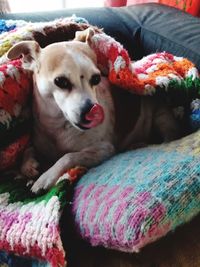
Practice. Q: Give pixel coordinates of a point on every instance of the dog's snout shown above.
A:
(91, 115)
(86, 109)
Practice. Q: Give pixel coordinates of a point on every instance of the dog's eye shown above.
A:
(95, 79)
(63, 83)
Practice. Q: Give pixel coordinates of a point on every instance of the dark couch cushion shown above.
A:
(168, 29)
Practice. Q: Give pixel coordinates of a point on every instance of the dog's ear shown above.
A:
(29, 50)
(85, 36)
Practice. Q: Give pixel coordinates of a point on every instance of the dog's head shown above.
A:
(67, 72)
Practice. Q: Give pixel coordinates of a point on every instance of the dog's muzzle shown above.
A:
(93, 117)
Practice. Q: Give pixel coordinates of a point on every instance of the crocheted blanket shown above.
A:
(29, 225)
(164, 74)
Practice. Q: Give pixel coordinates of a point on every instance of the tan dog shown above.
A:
(74, 112)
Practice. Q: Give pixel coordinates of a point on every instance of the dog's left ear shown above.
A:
(29, 50)
(85, 36)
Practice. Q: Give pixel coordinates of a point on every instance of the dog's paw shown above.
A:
(30, 168)
(44, 182)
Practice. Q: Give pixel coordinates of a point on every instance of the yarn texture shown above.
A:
(139, 196)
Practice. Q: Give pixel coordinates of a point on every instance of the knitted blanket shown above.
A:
(29, 225)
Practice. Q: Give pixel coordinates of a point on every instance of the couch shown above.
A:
(192, 7)
(143, 30)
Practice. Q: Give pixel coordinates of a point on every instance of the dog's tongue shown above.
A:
(95, 116)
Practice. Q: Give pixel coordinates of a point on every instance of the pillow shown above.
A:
(139, 196)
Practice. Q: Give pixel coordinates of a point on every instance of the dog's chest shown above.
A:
(55, 141)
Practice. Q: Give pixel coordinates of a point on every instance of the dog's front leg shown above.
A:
(87, 157)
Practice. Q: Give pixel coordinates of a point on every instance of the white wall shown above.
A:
(42, 5)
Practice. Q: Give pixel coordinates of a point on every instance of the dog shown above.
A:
(77, 120)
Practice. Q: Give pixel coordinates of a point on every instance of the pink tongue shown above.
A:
(95, 116)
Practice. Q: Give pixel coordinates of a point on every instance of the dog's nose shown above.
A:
(91, 115)
(86, 109)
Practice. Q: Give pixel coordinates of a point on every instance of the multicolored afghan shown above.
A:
(29, 225)
(146, 76)
(160, 73)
